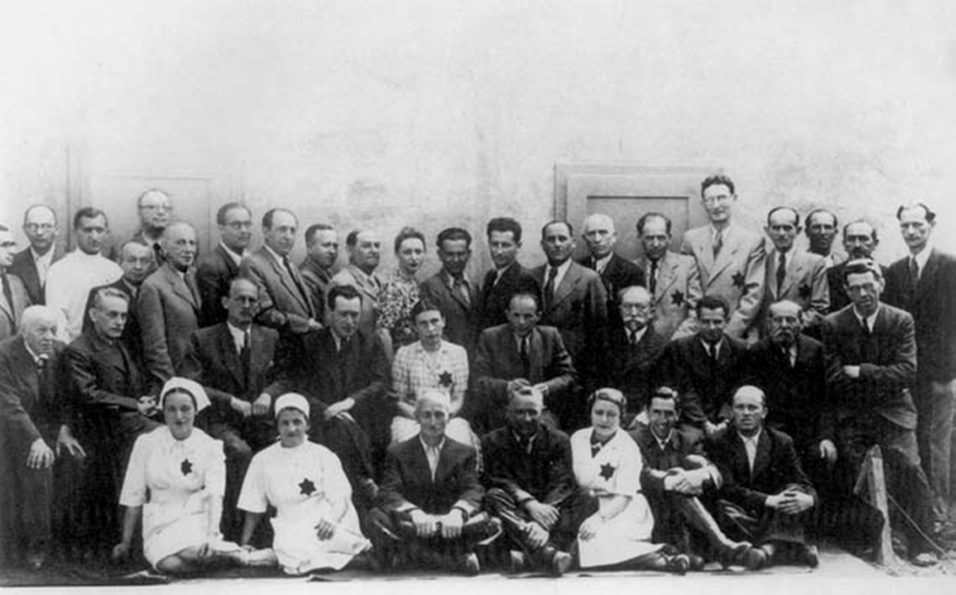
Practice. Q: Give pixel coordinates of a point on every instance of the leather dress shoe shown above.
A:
(755, 559)
(560, 563)
(468, 564)
(678, 564)
(811, 556)
(517, 561)
(925, 559)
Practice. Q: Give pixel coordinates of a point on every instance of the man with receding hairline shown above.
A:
(33, 262)
(217, 268)
(365, 250)
(616, 273)
(318, 266)
(672, 279)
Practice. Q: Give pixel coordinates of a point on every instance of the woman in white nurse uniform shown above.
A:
(607, 462)
(316, 526)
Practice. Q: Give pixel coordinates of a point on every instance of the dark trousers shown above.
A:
(393, 532)
(573, 509)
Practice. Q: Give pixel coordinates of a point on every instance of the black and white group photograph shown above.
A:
(546, 295)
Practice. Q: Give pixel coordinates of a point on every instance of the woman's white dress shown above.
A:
(615, 469)
(173, 481)
(305, 484)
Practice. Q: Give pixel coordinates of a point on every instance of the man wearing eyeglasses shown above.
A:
(216, 269)
(32, 263)
(155, 213)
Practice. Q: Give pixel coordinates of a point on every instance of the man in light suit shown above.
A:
(924, 284)
(731, 260)
(507, 276)
(871, 355)
(32, 263)
(573, 298)
(859, 241)
(216, 269)
(634, 349)
(318, 266)
(521, 351)
(35, 419)
(14, 299)
(452, 292)
(766, 497)
(672, 279)
(284, 300)
(365, 251)
(235, 362)
(168, 306)
(430, 503)
(799, 277)
(616, 273)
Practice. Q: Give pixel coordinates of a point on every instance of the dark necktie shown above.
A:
(191, 284)
(653, 279)
(781, 272)
(245, 354)
(297, 282)
(718, 243)
(914, 274)
(525, 358)
(462, 290)
(8, 295)
(43, 378)
(549, 288)
(631, 342)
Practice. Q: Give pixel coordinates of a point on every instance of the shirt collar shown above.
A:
(235, 256)
(922, 256)
(708, 346)
(274, 254)
(238, 335)
(450, 279)
(36, 358)
(438, 447)
(601, 263)
(663, 442)
(752, 439)
(562, 268)
(637, 336)
(48, 257)
(869, 320)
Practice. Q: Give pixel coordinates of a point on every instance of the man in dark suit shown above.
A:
(573, 298)
(155, 210)
(452, 292)
(616, 273)
(32, 263)
(217, 268)
(36, 431)
(234, 361)
(429, 506)
(531, 487)
(871, 364)
(675, 478)
(344, 374)
(705, 368)
(766, 496)
(284, 301)
(521, 351)
(859, 241)
(110, 395)
(507, 277)
(169, 305)
(790, 369)
(14, 298)
(318, 266)
(634, 349)
(924, 284)
(136, 260)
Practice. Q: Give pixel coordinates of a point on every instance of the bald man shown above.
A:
(169, 305)
(35, 422)
(616, 272)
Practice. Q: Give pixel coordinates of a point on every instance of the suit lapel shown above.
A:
(535, 354)
(289, 282)
(762, 459)
(227, 260)
(179, 287)
(420, 461)
(928, 275)
(24, 361)
(230, 357)
(731, 245)
(666, 276)
(568, 283)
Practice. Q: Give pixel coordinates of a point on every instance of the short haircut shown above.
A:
(520, 387)
(346, 292)
(240, 278)
(861, 266)
(712, 302)
(137, 242)
(750, 388)
(139, 199)
(108, 292)
(796, 215)
(89, 213)
(788, 303)
(611, 395)
(314, 229)
(666, 392)
(815, 212)
(267, 218)
(224, 210)
(34, 207)
(408, 233)
(544, 228)
(424, 305)
(531, 295)
(864, 221)
(352, 238)
(930, 215)
(643, 221)
(453, 234)
(717, 180)
(503, 225)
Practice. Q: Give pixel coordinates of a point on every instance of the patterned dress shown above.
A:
(304, 483)
(614, 469)
(395, 303)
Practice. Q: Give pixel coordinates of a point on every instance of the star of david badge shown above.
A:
(186, 467)
(804, 292)
(445, 380)
(739, 280)
(607, 471)
(677, 298)
(306, 487)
